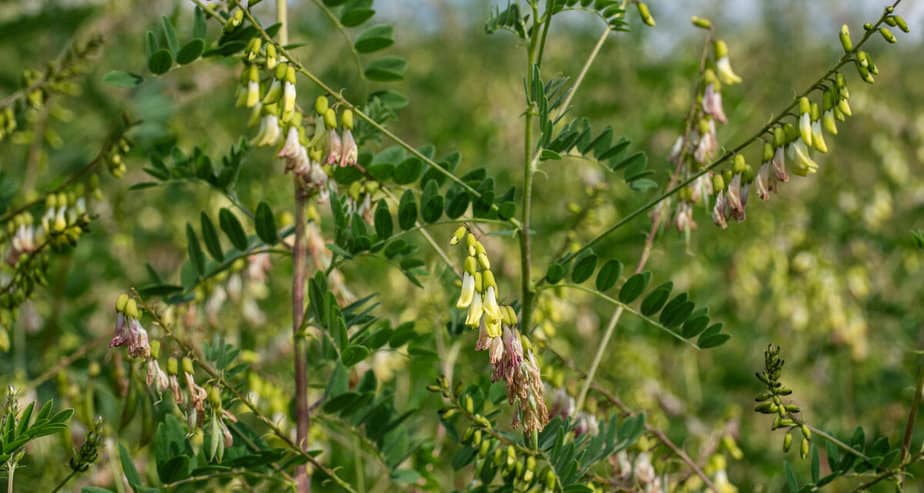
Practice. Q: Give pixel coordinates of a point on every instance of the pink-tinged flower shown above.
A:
(175, 389)
(258, 266)
(762, 181)
(708, 142)
(121, 331)
(349, 152)
(712, 103)
(683, 218)
(509, 365)
(334, 147)
(733, 198)
(585, 423)
(562, 404)
(495, 350)
(778, 165)
(702, 188)
(720, 210)
(138, 344)
(294, 153)
(197, 394)
(156, 377)
(484, 341)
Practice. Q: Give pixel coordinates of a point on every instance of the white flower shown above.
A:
(818, 138)
(294, 153)
(805, 128)
(804, 165)
(708, 143)
(253, 94)
(288, 98)
(490, 304)
(830, 122)
(733, 198)
(762, 181)
(726, 74)
(268, 134)
(468, 291)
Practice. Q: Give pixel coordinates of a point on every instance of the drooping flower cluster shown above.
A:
(128, 329)
(312, 155)
(700, 145)
(498, 334)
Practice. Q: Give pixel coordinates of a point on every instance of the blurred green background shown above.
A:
(825, 268)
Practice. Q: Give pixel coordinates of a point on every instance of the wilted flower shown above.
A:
(708, 142)
(156, 377)
(128, 330)
(720, 210)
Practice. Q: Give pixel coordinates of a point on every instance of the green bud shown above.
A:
(787, 441)
(806, 432)
(550, 479)
(188, 366)
(890, 20)
(458, 235)
(489, 280)
(846, 42)
(721, 49)
(511, 456)
(718, 183)
(155, 348)
(131, 309)
(121, 302)
(469, 404)
(484, 448)
(768, 155)
(172, 367)
(270, 56)
(701, 22)
(330, 118)
(645, 14)
(804, 448)
(215, 397)
(887, 34)
(900, 21)
(805, 106)
(469, 265)
(321, 105)
(779, 137)
(740, 165)
(346, 118)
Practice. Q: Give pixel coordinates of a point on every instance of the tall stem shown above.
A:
(299, 264)
(589, 380)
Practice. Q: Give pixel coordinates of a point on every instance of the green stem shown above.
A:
(61, 484)
(610, 328)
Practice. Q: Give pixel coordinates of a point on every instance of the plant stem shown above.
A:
(299, 263)
(913, 412)
(61, 484)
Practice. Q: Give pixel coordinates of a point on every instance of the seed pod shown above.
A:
(787, 441)
(806, 432)
(701, 22)
(485, 448)
(804, 448)
(469, 404)
(476, 438)
(766, 408)
(645, 14)
(468, 435)
(900, 21)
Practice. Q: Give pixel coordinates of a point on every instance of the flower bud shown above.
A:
(718, 183)
(740, 165)
(701, 22)
(330, 118)
(253, 48)
(346, 118)
(768, 155)
(188, 366)
(804, 448)
(121, 302)
(900, 21)
(458, 235)
(787, 441)
(846, 42)
(131, 309)
(321, 105)
(645, 14)
(887, 34)
(271, 56)
(172, 366)
(155, 348)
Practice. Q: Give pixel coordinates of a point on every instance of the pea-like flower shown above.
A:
(723, 65)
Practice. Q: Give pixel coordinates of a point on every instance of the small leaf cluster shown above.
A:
(17, 427)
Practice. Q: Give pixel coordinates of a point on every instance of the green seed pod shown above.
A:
(846, 42)
(476, 438)
(498, 456)
(484, 448)
(787, 441)
(900, 21)
(804, 448)
(550, 479)
(887, 34)
(806, 432)
(469, 404)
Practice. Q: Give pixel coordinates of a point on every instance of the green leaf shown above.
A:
(643, 184)
(816, 464)
(712, 341)
(266, 224)
(191, 51)
(456, 202)
(232, 228)
(160, 62)
(677, 311)
(634, 286)
(791, 481)
(408, 171)
(402, 334)
(608, 275)
(128, 468)
(386, 69)
(555, 273)
(632, 160)
(355, 13)
(584, 268)
(121, 78)
(194, 250)
(170, 35)
(199, 24)
(655, 299)
(431, 203)
(694, 326)
(375, 38)
(384, 226)
(353, 354)
(210, 237)
(407, 210)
